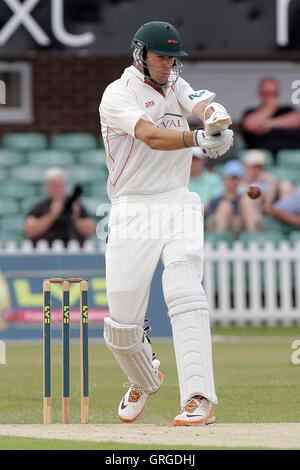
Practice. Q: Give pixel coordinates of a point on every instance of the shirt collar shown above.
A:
(133, 72)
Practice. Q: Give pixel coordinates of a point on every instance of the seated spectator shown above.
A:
(287, 209)
(232, 211)
(271, 126)
(207, 184)
(255, 174)
(52, 219)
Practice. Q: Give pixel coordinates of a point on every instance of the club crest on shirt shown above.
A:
(149, 103)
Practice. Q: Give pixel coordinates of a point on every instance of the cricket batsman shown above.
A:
(149, 152)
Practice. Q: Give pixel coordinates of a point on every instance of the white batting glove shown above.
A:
(218, 121)
(213, 145)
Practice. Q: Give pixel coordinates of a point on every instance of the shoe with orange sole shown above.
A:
(133, 403)
(197, 411)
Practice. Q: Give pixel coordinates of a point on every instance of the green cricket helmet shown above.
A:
(160, 38)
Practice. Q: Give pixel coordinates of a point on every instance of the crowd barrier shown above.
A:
(250, 285)
(253, 285)
(22, 271)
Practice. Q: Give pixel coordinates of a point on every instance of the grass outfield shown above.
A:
(17, 443)
(256, 382)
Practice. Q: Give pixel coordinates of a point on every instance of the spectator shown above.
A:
(287, 209)
(232, 211)
(271, 126)
(51, 219)
(255, 174)
(208, 185)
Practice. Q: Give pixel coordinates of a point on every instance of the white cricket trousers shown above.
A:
(143, 230)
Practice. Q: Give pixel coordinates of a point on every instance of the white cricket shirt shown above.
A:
(134, 168)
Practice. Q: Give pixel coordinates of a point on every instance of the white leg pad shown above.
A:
(189, 317)
(133, 352)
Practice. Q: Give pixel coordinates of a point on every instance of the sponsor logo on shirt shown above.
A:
(196, 95)
(149, 103)
(170, 120)
(171, 123)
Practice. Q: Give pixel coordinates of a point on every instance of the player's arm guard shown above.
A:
(205, 95)
(188, 98)
(213, 145)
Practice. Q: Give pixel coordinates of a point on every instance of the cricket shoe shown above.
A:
(197, 411)
(134, 401)
(218, 121)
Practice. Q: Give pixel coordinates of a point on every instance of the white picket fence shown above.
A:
(243, 285)
(253, 285)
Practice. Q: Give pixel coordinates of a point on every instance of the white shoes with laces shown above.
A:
(134, 401)
(133, 404)
(197, 411)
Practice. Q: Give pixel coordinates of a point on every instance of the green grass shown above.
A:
(257, 331)
(18, 443)
(255, 383)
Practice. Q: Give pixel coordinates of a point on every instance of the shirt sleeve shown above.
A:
(290, 204)
(39, 210)
(188, 97)
(120, 110)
